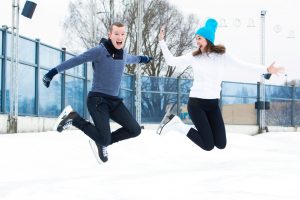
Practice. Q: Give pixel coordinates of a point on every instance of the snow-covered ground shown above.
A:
(53, 166)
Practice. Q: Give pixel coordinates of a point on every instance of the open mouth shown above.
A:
(119, 43)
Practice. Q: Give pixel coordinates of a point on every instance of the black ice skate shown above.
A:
(65, 119)
(99, 151)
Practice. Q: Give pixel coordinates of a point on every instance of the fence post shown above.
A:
(221, 98)
(37, 76)
(63, 80)
(178, 96)
(293, 105)
(85, 90)
(133, 92)
(134, 79)
(258, 110)
(4, 68)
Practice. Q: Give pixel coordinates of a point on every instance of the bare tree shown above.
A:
(179, 34)
(88, 21)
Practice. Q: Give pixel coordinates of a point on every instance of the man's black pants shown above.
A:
(103, 109)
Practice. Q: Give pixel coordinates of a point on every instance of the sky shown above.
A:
(241, 36)
(51, 165)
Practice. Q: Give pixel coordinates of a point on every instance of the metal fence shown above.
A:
(71, 87)
(237, 101)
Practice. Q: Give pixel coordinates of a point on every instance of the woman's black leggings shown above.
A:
(208, 120)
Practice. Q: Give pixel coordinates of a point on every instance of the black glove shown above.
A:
(145, 59)
(267, 76)
(48, 77)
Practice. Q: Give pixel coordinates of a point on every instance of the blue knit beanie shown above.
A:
(208, 31)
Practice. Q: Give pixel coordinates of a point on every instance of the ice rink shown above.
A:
(53, 166)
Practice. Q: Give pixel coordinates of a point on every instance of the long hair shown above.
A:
(211, 48)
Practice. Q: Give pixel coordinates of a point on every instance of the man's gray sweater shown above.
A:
(107, 71)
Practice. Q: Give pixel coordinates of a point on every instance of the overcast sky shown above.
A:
(241, 36)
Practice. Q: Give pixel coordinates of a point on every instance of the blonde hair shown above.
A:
(117, 24)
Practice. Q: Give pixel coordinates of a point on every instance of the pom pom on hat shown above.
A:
(209, 30)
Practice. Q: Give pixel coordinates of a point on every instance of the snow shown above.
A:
(51, 165)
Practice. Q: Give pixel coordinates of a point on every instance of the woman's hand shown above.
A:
(275, 70)
(161, 35)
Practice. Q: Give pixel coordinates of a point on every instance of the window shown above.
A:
(1, 53)
(26, 89)
(239, 89)
(74, 93)
(26, 50)
(127, 82)
(297, 92)
(128, 99)
(7, 89)
(50, 98)
(90, 71)
(49, 57)
(1, 84)
(75, 71)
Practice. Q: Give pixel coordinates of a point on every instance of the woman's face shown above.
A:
(201, 42)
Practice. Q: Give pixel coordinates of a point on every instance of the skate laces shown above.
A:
(104, 151)
(170, 119)
(67, 124)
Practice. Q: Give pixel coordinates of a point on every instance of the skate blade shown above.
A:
(161, 125)
(95, 151)
(159, 129)
(64, 113)
(167, 118)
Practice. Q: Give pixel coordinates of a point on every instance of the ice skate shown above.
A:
(65, 119)
(99, 151)
(172, 122)
(168, 116)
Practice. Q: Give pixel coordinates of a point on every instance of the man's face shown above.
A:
(117, 36)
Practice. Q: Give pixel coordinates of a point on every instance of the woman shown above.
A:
(209, 63)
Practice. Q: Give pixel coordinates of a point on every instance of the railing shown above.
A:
(237, 99)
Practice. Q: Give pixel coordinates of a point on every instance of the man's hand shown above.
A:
(145, 59)
(48, 77)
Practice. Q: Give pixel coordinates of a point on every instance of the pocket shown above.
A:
(94, 102)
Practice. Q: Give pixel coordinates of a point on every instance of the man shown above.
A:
(109, 60)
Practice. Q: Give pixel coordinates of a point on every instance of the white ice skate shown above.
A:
(173, 123)
(68, 109)
(168, 116)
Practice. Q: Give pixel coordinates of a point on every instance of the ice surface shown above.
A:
(51, 165)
